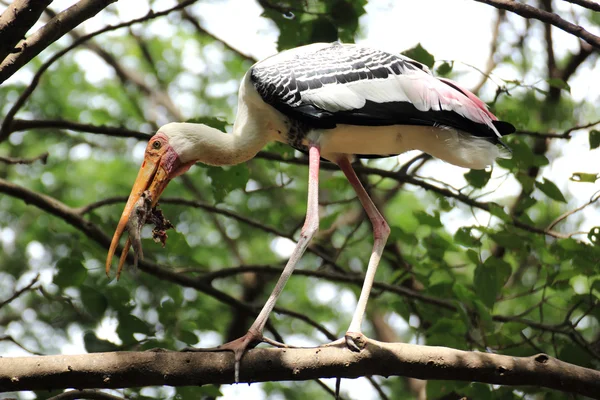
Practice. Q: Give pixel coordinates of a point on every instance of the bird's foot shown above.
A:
(238, 347)
(355, 341)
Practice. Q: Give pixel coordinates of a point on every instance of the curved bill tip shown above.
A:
(147, 188)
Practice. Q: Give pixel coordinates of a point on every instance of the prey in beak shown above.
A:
(161, 164)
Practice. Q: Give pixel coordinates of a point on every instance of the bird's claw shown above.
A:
(354, 341)
(238, 347)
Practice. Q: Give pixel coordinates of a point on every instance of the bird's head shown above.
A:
(163, 161)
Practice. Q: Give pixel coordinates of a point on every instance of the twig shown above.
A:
(595, 197)
(88, 394)
(24, 125)
(592, 5)
(21, 291)
(188, 17)
(491, 62)
(565, 135)
(49, 33)
(9, 338)
(11, 160)
(527, 11)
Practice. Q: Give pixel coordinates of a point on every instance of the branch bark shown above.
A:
(16, 20)
(49, 33)
(527, 11)
(134, 369)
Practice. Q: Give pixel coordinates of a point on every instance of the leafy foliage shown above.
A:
(501, 259)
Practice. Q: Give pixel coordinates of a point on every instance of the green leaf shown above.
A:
(484, 282)
(463, 293)
(397, 233)
(227, 179)
(464, 237)
(478, 177)
(427, 219)
(93, 301)
(418, 53)
(559, 84)
(574, 354)
(187, 337)
(445, 68)
(594, 139)
(93, 344)
(473, 256)
(498, 211)
(323, 31)
(508, 239)
(489, 279)
(128, 325)
(479, 391)
(551, 190)
(584, 177)
(71, 272)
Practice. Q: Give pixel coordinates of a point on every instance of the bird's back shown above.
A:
(325, 86)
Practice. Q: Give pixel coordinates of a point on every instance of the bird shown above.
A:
(335, 102)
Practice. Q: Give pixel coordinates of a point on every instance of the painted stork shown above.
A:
(333, 101)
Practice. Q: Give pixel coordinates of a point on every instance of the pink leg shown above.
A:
(311, 225)
(381, 231)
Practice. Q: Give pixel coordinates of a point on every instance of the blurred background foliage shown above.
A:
(467, 266)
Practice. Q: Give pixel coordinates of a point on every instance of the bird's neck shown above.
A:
(213, 147)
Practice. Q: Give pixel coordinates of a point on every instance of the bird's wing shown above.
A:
(328, 84)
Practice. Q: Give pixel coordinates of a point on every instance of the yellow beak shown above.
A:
(152, 178)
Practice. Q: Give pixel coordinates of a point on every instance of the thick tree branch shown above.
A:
(16, 20)
(527, 11)
(134, 369)
(51, 32)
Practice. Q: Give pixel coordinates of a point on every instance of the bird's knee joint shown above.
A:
(310, 230)
(382, 231)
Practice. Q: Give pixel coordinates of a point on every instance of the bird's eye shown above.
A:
(156, 145)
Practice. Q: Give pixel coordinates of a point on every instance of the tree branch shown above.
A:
(11, 160)
(49, 33)
(527, 11)
(21, 291)
(16, 20)
(24, 125)
(592, 5)
(85, 394)
(134, 369)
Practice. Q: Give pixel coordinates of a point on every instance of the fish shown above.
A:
(144, 214)
(137, 219)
